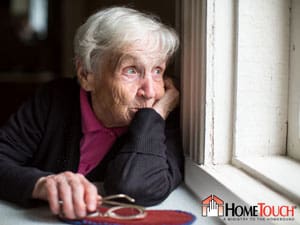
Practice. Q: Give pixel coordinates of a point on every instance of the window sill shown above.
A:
(277, 172)
(233, 185)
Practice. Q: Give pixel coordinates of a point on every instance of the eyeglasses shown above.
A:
(120, 210)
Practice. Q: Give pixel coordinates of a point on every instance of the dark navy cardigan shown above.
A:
(43, 138)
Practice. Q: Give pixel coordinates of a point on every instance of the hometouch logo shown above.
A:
(215, 206)
(212, 206)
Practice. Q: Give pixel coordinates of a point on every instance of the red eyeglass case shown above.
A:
(153, 217)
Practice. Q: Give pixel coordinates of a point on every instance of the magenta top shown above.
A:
(96, 140)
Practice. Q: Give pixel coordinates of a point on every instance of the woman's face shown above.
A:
(136, 82)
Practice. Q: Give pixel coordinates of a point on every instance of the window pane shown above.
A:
(262, 77)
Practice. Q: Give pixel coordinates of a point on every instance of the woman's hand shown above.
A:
(169, 101)
(68, 194)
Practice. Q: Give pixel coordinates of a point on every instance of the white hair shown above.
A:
(111, 30)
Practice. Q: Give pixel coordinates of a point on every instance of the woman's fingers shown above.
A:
(65, 195)
(78, 190)
(169, 101)
(69, 195)
(52, 195)
(91, 196)
(168, 83)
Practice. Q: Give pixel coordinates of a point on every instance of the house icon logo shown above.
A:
(212, 206)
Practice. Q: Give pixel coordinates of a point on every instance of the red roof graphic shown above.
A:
(212, 197)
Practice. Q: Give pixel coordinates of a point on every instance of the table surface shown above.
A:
(180, 199)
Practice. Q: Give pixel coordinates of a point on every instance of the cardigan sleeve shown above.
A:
(19, 139)
(148, 163)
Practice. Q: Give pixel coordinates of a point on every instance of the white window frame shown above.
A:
(294, 94)
(209, 56)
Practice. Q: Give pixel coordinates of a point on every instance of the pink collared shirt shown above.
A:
(96, 140)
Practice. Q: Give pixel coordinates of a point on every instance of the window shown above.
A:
(262, 93)
(31, 31)
(240, 104)
(293, 147)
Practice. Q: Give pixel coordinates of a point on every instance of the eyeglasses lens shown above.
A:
(126, 212)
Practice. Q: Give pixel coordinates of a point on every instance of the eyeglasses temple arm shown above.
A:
(104, 199)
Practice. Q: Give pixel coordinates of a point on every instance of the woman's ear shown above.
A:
(86, 79)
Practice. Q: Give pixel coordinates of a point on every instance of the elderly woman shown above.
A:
(111, 124)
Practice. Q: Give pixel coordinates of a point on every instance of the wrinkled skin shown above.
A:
(136, 83)
(116, 95)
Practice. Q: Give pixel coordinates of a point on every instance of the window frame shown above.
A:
(293, 142)
(207, 122)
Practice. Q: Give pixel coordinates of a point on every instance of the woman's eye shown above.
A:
(130, 71)
(158, 73)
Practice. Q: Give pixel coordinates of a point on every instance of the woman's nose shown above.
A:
(147, 89)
